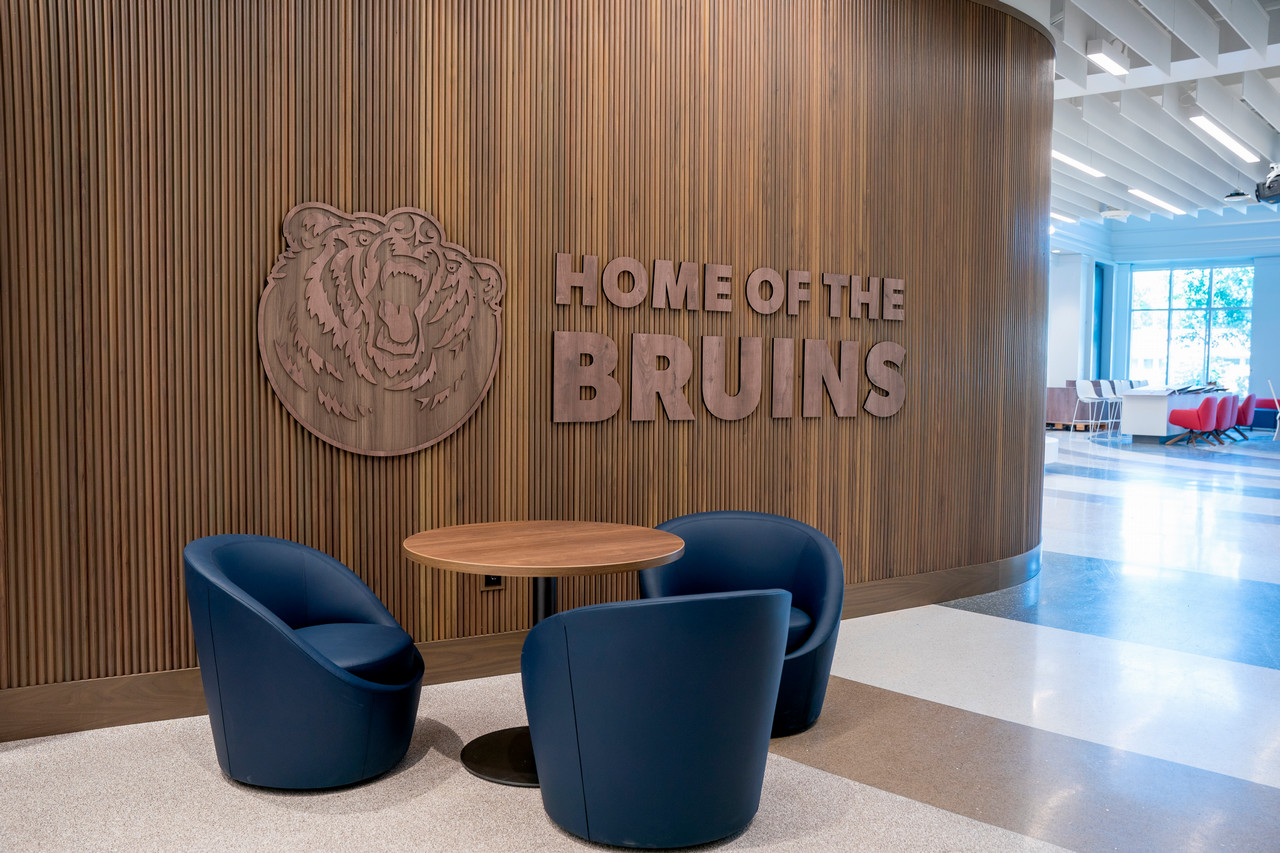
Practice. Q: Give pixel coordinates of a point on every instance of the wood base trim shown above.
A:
(97, 703)
(73, 706)
(864, 599)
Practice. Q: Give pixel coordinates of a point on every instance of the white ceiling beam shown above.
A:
(1066, 208)
(1145, 113)
(1186, 20)
(1123, 142)
(1104, 191)
(1172, 104)
(1127, 21)
(1235, 62)
(1247, 18)
(1062, 192)
(1262, 96)
(1069, 59)
(1070, 64)
(1237, 119)
(1118, 162)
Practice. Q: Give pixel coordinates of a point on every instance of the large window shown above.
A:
(1191, 326)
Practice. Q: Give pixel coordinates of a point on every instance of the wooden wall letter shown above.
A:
(639, 282)
(378, 335)
(837, 283)
(885, 379)
(716, 284)
(894, 295)
(777, 292)
(869, 297)
(672, 290)
(649, 380)
(784, 378)
(567, 278)
(841, 382)
(715, 378)
(796, 293)
(569, 376)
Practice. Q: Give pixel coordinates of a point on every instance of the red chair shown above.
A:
(1198, 422)
(1245, 417)
(1227, 408)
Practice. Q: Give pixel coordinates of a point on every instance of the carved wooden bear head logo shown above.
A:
(378, 335)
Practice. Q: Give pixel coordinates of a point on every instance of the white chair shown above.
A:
(1113, 402)
(1093, 404)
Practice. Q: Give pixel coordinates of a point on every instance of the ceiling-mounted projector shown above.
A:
(1269, 190)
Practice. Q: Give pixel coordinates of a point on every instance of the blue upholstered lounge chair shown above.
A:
(650, 719)
(310, 682)
(754, 550)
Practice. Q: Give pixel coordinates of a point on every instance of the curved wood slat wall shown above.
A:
(151, 150)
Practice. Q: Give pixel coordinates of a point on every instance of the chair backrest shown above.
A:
(1245, 416)
(1227, 412)
(1123, 385)
(733, 550)
(1207, 414)
(298, 584)
(1084, 390)
(661, 732)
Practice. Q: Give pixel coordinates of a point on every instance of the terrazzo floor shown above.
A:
(1126, 699)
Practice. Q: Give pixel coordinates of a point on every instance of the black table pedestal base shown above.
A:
(504, 756)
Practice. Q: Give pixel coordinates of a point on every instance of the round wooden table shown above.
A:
(542, 550)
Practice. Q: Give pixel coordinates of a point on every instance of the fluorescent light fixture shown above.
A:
(1208, 126)
(1108, 57)
(1157, 202)
(1060, 217)
(1076, 164)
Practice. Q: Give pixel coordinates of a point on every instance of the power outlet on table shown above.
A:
(488, 582)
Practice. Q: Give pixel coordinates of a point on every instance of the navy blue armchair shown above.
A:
(310, 682)
(755, 550)
(650, 719)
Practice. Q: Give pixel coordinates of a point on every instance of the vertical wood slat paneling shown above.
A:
(151, 150)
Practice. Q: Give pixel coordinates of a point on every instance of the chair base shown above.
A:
(504, 756)
(1191, 435)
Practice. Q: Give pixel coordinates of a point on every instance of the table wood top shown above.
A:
(543, 548)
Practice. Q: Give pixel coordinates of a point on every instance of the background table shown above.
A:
(1148, 413)
(542, 550)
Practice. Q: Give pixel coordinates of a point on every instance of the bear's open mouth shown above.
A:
(387, 345)
(399, 332)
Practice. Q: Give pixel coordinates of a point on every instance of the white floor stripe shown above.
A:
(1212, 714)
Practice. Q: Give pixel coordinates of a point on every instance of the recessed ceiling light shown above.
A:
(1228, 141)
(1076, 164)
(1108, 57)
(1060, 218)
(1157, 202)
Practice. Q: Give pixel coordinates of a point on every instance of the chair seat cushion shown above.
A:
(380, 653)
(798, 629)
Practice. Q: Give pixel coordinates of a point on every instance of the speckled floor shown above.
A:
(1124, 700)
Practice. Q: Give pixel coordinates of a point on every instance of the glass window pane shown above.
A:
(1150, 289)
(1190, 289)
(1233, 287)
(1229, 348)
(1148, 341)
(1187, 340)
